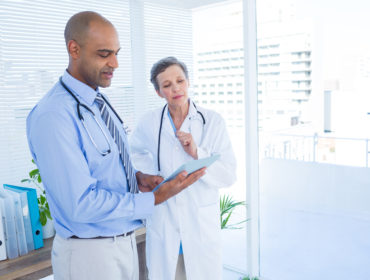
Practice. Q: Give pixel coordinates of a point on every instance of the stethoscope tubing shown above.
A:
(78, 105)
(160, 131)
(83, 105)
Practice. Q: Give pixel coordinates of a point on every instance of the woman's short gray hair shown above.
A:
(162, 65)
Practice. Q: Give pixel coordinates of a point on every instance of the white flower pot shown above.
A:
(48, 229)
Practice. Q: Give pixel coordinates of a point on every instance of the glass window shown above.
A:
(313, 139)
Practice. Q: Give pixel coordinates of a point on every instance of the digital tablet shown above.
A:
(190, 167)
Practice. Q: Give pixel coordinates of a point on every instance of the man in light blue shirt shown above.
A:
(83, 173)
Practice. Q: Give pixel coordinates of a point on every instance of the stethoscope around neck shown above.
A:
(79, 105)
(160, 131)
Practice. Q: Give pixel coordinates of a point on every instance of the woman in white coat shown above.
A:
(181, 131)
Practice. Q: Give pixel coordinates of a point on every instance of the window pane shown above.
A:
(219, 72)
(313, 84)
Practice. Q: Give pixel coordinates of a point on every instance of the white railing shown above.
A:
(316, 148)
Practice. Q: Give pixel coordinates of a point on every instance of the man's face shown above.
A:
(98, 58)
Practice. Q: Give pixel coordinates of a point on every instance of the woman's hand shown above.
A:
(147, 183)
(188, 144)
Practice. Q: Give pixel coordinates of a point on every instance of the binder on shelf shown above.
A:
(19, 225)
(2, 236)
(25, 215)
(8, 217)
(34, 215)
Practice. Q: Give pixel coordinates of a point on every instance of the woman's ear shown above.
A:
(159, 93)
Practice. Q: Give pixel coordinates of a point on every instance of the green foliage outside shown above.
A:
(44, 210)
(227, 206)
(248, 278)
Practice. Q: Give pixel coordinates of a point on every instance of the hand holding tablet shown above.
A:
(190, 167)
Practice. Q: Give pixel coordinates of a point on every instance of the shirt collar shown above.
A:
(193, 112)
(80, 89)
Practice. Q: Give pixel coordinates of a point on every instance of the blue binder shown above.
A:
(34, 214)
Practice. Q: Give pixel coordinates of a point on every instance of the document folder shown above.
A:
(8, 217)
(2, 236)
(34, 215)
(19, 224)
(26, 215)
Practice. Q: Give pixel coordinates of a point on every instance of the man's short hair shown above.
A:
(77, 26)
(162, 65)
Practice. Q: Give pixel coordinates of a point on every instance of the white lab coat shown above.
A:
(192, 216)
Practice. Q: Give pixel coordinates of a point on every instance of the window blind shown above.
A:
(160, 31)
(33, 56)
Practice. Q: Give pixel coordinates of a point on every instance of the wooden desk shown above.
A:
(37, 264)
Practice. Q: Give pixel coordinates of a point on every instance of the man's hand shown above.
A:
(147, 182)
(176, 185)
(188, 143)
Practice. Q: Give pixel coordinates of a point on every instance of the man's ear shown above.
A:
(74, 49)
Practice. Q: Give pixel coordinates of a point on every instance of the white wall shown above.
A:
(315, 221)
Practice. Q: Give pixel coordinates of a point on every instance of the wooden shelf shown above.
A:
(37, 264)
(34, 265)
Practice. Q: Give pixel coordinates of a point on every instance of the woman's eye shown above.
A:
(180, 81)
(166, 86)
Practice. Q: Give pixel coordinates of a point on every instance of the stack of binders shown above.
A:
(20, 230)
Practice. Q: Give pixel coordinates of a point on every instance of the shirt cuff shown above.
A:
(144, 205)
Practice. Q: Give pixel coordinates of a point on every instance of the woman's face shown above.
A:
(173, 86)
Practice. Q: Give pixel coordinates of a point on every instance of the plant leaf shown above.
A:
(42, 199)
(227, 206)
(34, 173)
(43, 218)
(47, 212)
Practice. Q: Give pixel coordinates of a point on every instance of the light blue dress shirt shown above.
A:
(87, 192)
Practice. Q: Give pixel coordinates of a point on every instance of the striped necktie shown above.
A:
(124, 155)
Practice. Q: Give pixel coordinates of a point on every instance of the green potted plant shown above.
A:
(249, 278)
(45, 217)
(227, 206)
